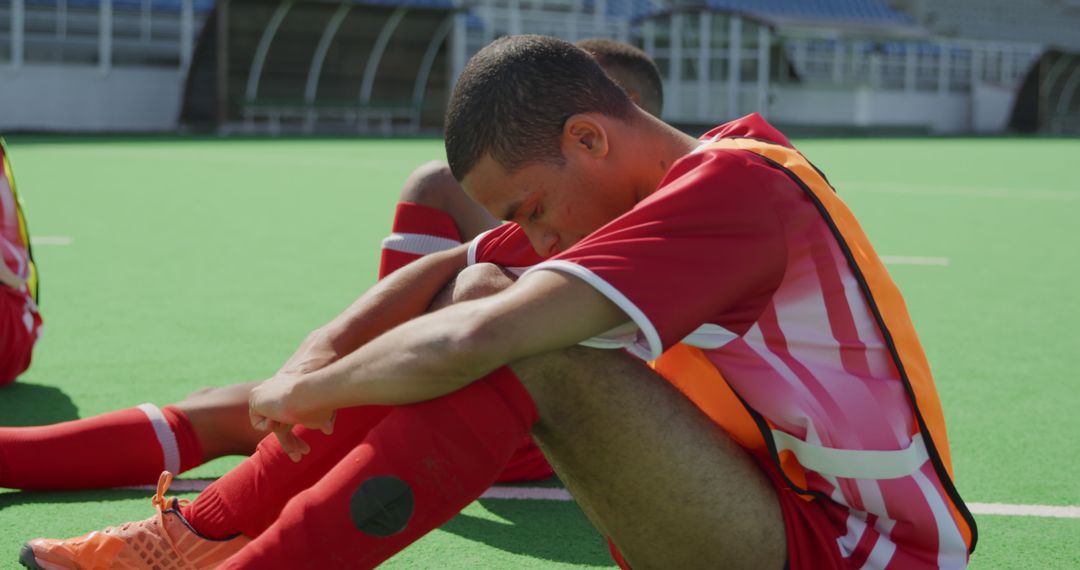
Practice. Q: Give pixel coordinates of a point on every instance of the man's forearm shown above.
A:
(419, 360)
(443, 351)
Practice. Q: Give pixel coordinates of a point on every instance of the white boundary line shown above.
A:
(1024, 510)
(961, 191)
(562, 495)
(914, 260)
(51, 240)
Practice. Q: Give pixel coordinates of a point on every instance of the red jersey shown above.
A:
(729, 255)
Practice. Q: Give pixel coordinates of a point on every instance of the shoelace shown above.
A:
(160, 503)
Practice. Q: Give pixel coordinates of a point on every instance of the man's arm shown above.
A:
(403, 295)
(442, 351)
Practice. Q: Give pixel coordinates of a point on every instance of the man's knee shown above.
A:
(473, 282)
(433, 185)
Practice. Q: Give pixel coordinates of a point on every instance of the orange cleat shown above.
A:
(163, 542)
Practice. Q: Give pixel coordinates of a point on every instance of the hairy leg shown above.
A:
(670, 487)
(219, 417)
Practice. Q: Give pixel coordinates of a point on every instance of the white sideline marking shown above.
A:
(529, 493)
(964, 191)
(558, 494)
(914, 260)
(51, 240)
(1024, 510)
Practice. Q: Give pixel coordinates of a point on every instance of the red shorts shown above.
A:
(19, 327)
(811, 533)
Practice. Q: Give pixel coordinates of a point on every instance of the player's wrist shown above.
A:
(310, 393)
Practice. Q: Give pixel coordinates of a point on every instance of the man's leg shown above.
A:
(652, 472)
(83, 454)
(647, 466)
(413, 472)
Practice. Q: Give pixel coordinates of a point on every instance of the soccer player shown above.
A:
(789, 415)
(434, 214)
(20, 322)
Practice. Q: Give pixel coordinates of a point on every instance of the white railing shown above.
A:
(107, 34)
(910, 65)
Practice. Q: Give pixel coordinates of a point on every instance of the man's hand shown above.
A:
(276, 406)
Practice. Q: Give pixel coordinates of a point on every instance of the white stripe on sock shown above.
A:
(169, 448)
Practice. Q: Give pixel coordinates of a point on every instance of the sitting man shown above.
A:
(788, 416)
(20, 323)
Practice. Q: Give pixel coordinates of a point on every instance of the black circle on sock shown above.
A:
(381, 506)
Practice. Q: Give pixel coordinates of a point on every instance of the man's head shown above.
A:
(631, 68)
(528, 133)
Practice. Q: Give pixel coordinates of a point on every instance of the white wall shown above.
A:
(70, 98)
(863, 107)
(991, 108)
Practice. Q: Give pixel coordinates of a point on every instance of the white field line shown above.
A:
(962, 191)
(51, 240)
(558, 494)
(914, 260)
(1024, 510)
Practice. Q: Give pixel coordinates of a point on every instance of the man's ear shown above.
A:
(584, 133)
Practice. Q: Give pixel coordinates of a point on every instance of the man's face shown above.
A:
(556, 205)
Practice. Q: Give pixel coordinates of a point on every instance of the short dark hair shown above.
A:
(514, 97)
(631, 68)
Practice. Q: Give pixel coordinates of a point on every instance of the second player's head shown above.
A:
(631, 68)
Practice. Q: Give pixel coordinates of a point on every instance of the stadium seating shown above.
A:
(1052, 22)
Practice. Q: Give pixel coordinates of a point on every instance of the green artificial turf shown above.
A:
(200, 262)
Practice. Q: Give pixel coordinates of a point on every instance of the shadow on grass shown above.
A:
(24, 404)
(16, 498)
(549, 530)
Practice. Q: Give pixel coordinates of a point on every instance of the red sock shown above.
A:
(413, 472)
(417, 231)
(127, 447)
(249, 497)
